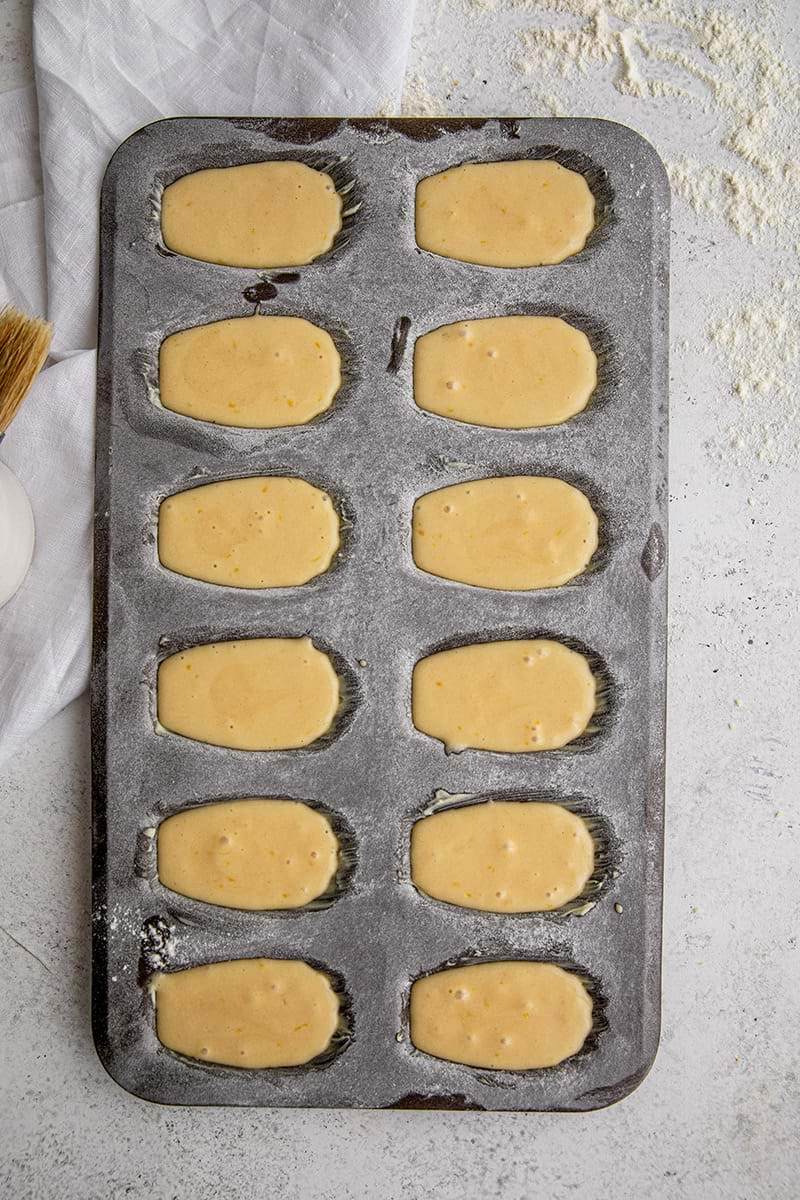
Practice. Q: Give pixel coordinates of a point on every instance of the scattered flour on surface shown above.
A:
(708, 85)
(710, 59)
(386, 107)
(417, 99)
(758, 343)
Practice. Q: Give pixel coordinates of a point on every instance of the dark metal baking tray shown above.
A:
(375, 451)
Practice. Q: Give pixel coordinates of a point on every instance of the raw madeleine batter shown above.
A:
(512, 697)
(250, 372)
(507, 1015)
(505, 372)
(262, 531)
(268, 214)
(518, 532)
(503, 856)
(254, 854)
(249, 1012)
(525, 213)
(255, 694)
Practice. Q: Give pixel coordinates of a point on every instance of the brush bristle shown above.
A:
(24, 343)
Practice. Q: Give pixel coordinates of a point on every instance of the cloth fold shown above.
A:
(103, 69)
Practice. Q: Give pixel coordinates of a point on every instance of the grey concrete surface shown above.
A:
(717, 1116)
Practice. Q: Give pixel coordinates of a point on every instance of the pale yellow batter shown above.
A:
(503, 856)
(518, 532)
(254, 854)
(249, 1012)
(268, 214)
(511, 696)
(250, 372)
(256, 694)
(258, 532)
(508, 1015)
(505, 214)
(505, 372)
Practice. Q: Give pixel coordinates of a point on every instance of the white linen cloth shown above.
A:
(104, 68)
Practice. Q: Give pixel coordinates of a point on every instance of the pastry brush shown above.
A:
(24, 343)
